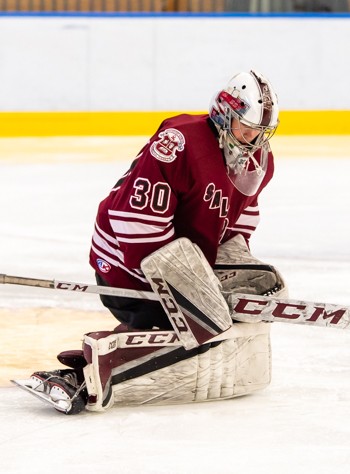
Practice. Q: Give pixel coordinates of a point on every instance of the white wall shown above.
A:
(72, 63)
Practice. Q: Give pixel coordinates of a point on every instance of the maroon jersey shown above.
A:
(178, 186)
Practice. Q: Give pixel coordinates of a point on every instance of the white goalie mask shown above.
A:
(250, 99)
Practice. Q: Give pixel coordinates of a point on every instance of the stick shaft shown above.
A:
(77, 287)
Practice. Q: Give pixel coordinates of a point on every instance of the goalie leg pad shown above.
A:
(163, 375)
(107, 364)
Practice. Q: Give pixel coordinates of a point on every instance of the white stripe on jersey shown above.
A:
(102, 243)
(126, 227)
(141, 217)
(132, 228)
(247, 219)
(108, 237)
(134, 272)
(141, 240)
(251, 209)
(242, 230)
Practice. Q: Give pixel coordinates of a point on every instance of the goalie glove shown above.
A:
(240, 272)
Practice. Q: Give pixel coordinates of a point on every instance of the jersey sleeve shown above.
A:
(248, 220)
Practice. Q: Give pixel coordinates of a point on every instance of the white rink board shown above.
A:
(93, 64)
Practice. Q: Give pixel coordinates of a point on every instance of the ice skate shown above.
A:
(62, 389)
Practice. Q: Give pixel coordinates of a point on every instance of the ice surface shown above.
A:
(300, 424)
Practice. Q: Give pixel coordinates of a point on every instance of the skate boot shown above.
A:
(64, 389)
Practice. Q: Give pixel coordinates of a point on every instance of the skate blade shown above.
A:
(63, 406)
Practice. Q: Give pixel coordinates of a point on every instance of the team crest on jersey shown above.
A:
(171, 141)
(103, 265)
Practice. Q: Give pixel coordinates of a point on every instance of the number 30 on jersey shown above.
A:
(156, 196)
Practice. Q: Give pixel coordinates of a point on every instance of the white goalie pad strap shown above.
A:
(232, 368)
(240, 272)
(97, 381)
(189, 291)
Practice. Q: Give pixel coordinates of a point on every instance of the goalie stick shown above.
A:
(244, 308)
(104, 290)
(77, 287)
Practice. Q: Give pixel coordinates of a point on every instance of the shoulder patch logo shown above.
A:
(103, 265)
(165, 149)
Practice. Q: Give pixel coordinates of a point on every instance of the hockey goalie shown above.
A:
(206, 356)
(179, 222)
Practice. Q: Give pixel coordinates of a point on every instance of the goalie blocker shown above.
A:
(210, 359)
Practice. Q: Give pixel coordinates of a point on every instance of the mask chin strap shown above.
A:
(222, 138)
(256, 164)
